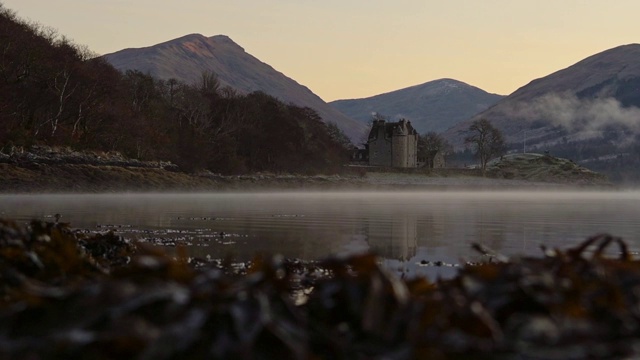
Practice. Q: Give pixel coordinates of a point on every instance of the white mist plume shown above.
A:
(579, 115)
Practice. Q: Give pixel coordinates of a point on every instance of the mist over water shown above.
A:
(583, 118)
(403, 227)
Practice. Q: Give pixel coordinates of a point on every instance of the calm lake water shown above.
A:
(403, 227)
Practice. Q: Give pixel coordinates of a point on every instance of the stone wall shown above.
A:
(379, 147)
(399, 146)
(412, 150)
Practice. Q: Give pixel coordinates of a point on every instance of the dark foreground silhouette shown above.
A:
(73, 296)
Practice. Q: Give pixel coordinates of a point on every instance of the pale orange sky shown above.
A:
(358, 48)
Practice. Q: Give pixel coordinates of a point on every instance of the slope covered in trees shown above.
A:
(187, 57)
(57, 93)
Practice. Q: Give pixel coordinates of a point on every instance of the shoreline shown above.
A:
(62, 170)
(72, 178)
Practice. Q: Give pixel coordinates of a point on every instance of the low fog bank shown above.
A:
(154, 182)
(589, 116)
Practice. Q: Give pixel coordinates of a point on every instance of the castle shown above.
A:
(393, 144)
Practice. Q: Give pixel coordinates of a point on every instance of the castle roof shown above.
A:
(391, 129)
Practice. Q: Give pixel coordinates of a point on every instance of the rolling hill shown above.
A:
(433, 106)
(594, 98)
(187, 57)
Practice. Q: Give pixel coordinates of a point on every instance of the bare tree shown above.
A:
(209, 83)
(487, 140)
(430, 144)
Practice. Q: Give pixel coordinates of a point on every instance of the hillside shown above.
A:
(433, 106)
(599, 93)
(587, 112)
(186, 58)
(59, 94)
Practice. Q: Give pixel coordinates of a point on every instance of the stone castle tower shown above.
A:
(393, 144)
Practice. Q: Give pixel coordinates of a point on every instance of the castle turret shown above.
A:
(399, 145)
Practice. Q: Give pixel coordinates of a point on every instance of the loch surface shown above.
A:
(405, 228)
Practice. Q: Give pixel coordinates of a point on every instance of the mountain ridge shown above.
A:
(186, 58)
(431, 106)
(598, 65)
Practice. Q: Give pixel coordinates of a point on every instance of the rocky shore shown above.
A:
(45, 169)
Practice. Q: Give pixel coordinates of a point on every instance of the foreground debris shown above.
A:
(72, 296)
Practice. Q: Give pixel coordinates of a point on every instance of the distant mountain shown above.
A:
(186, 58)
(432, 106)
(594, 98)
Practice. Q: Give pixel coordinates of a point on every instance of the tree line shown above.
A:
(484, 142)
(55, 92)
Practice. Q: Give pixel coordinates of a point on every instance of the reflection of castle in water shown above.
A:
(393, 238)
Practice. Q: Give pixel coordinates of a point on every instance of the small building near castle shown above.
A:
(393, 144)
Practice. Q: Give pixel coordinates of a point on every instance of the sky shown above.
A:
(348, 49)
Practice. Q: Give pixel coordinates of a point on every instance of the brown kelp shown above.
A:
(73, 296)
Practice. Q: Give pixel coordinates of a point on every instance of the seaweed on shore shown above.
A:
(65, 295)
